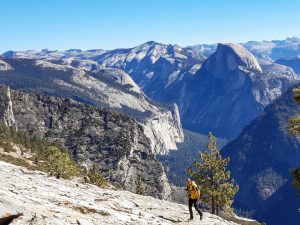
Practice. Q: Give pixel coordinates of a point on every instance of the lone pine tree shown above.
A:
(217, 188)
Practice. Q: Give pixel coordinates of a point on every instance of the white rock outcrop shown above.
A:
(6, 110)
(46, 200)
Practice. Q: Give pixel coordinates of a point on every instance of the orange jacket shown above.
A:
(193, 190)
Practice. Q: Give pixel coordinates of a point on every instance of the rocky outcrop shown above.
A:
(165, 129)
(228, 58)
(241, 220)
(114, 141)
(44, 200)
(261, 158)
(4, 66)
(6, 112)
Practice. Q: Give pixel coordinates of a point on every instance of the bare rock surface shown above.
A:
(46, 200)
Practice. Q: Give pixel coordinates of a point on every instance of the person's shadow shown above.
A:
(172, 220)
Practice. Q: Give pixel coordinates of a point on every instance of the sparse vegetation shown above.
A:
(58, 163)
(294, 128)
(43, 155)
(140, 190)
(93, 176)
(296, 175)
(17, 161)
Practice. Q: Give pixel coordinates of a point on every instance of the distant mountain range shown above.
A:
(270, 50)
(209, 99)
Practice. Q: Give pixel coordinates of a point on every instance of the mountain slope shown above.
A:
(153, 66)
(228, 92)
(222, 94)
(115, 142)
(260, 161)
(294, 63)
(104, 88)
(44, 200)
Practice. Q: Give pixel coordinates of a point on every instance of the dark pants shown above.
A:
(191, 202)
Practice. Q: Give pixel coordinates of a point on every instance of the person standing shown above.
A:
(194, 196)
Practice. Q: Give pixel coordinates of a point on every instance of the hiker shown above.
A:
(194, 195)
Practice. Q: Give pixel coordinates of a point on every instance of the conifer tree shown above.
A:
(140, 190)
(294, 128)
(217, 188)
(296, 175)
(59, 163)
(94, 177)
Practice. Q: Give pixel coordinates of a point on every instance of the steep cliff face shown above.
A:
(104, 88)
(230, 57)
(261, 158)
(6, 112)
(114, 141)
(165, 129)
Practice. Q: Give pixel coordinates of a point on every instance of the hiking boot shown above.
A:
(190, 219)
(201, 217)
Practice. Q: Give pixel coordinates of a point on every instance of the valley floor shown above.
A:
(46, 200)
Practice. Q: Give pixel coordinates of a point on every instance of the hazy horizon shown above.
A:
(144, 43)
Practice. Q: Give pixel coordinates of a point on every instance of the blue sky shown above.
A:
(109, 24)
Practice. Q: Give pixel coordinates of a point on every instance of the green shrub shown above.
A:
(58, 163)
(93, 176)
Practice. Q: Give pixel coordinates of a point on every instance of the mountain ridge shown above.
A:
(261, 157)
(104, 88)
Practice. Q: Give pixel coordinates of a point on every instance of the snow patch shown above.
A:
(4, 66)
